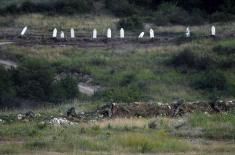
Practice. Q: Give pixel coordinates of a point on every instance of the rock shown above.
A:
(61, 122)
(26, 116)
(107, 110)
(71, 112)
(178, 107)
(218, 106)
(2, 121)
(30, 115)
(152, 124)
(20, 116)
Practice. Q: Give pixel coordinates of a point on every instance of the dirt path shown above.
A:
(35, 37)
(8, 64)
(5, 43)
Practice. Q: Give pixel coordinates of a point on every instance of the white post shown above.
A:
(24, 31)
(188, 33)
(141, 35)
(72, 33)
(122, 33)
(109, 33)
(151, 33)
(54, 35)
(62, 35)
(213, 31)
(94, 34)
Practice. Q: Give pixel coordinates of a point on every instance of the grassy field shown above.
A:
(120, 136)
(131, 73)
(127, 72)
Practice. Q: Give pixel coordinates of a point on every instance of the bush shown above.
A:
(131, 23)
(212, 80)
(122, 94)
(122, 8)
(169, 13)
(34, 80)
(221, 17)
(227, 63)
(227, 50)
(189, 59)
(7, 91)
(59, 6)
(64, 89)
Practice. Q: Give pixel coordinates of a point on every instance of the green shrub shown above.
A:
(169, 13)
(122, 8)
(64, 89)
(59, 6)
(212, 80)
(34, 79)
(7, 90)
(215, 126)
(122, 94)
(220, 49)
(131, 23)
(192, 60)
(221, 17)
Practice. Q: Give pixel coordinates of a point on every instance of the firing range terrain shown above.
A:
(166, 95)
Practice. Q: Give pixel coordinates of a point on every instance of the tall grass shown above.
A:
(217, 126)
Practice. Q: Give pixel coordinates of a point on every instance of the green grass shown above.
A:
(132, 75)
(124, 136)
(93, 138)
(155, 142)
(217, 126)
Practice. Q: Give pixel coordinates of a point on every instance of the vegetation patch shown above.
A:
(192, 60)
(216, 126)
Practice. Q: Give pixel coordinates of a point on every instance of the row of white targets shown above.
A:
(188, 32)
(94, 35)
(109, 33)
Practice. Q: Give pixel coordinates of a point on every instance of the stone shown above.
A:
(20, 116)
(178, 108)
(30, 115)
(107, 110)
(141, 35)
(23, 31)
(213, 31)
(122, 33)
(54, 35)
(61, 122)
(2, 121)
(94, 34)
(62, 35)
(151, 32)
(109, 33)
(72, 33)
(71, 112)
(188, 33)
